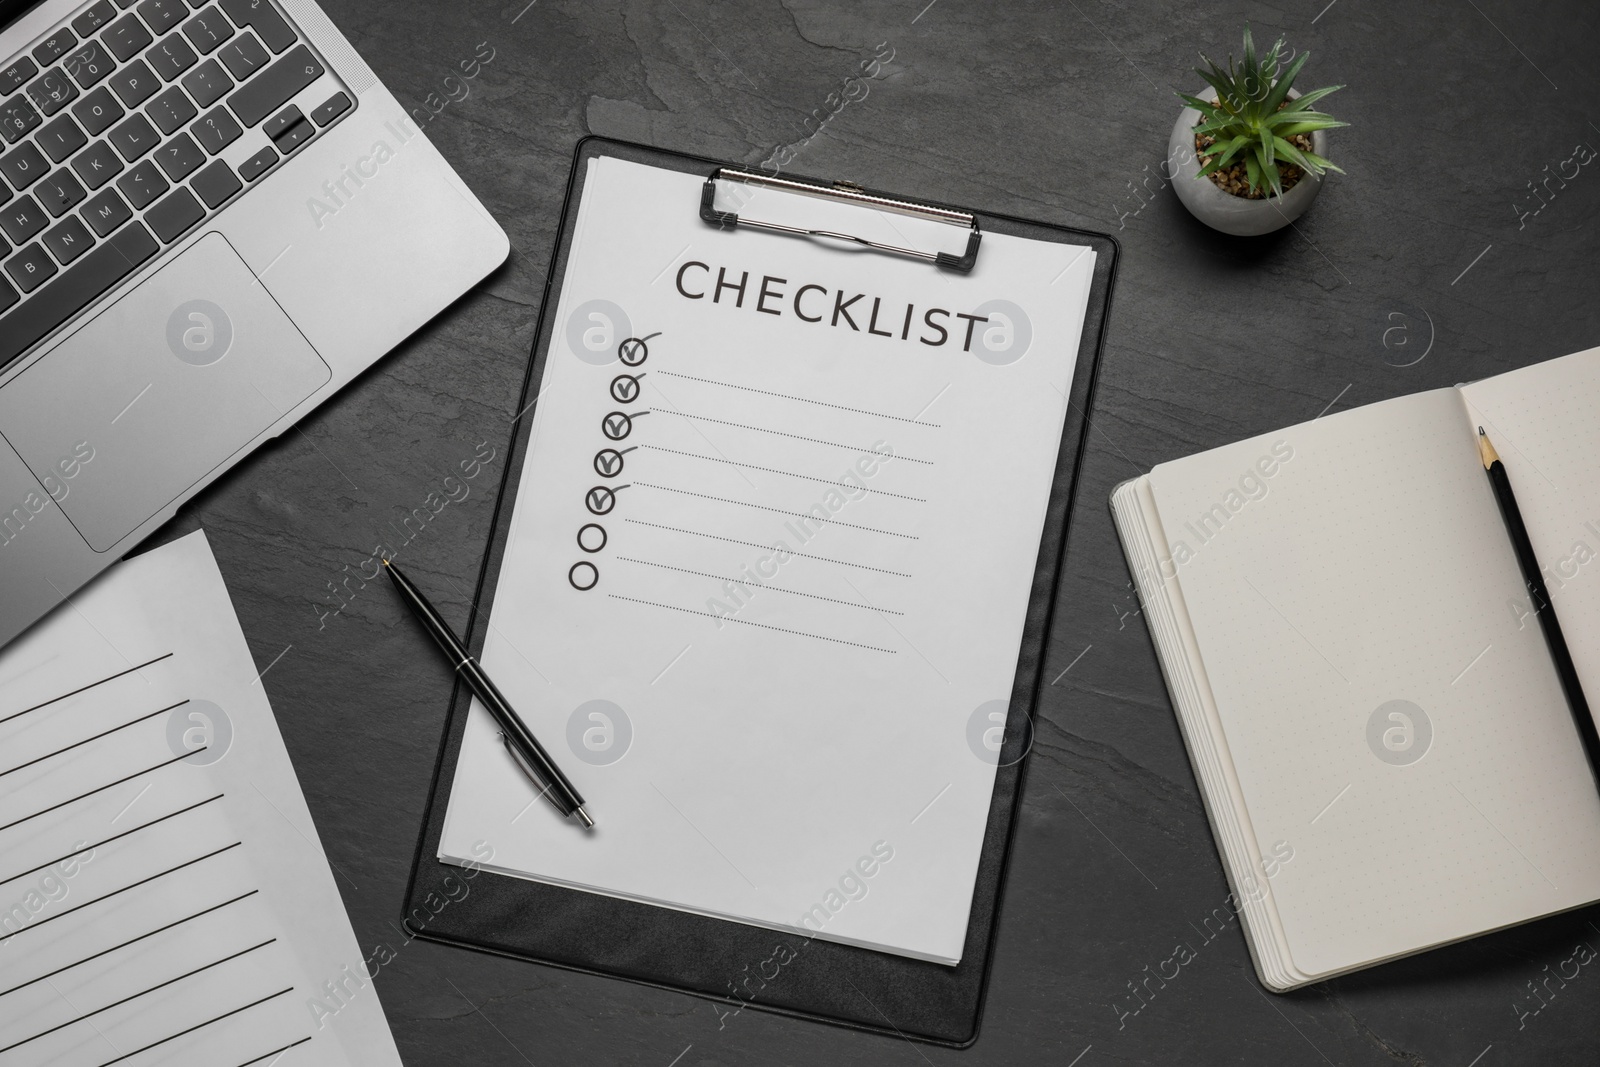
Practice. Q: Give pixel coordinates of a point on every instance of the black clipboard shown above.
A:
(747, 967)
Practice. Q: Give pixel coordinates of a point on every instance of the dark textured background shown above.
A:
(1058, 111)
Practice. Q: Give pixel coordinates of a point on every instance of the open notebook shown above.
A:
(1371, 709)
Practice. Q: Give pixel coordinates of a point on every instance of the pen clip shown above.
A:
(527, 768)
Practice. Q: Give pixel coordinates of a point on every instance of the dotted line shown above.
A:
(802, 399)
(758, 585)
(774, 470)
(795, 436)
(779, 511)
(752, 544)
(747, 622)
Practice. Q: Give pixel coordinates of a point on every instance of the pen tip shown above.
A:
(583, 817)
(386, 562)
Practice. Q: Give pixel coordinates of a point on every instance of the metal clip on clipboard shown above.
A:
(850, 193)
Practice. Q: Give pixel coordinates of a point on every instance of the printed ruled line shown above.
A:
(81, 689)
(96, 737)
(758, 585)
(795, 436)
(747, 622)
(776, 511)
(136, 996)
(103, 788)
(280, 1051)
(787, 474)
(107, 841)
(118, 892)
(208, 1022)
(752, 544)
(130, 941)
(802, 399)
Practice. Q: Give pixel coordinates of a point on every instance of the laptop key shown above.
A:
(171, 110)
(171, 57)
(106, 212)
(17, 117)
(67, 240)
(243, 56)
(54, 46)
(175, 215)
(8, 296)
(142, 184)
(89, 65)
(216, 130)
(277, 124)
(275, 86)
(258, 164)
(295, 136)
(216, 183)
(161, 15)
(53, 90)
(97, 165)
(135, 83)
(60, 138)
(60, 192)
(179, 157)
(262, 17)
(23, 167)
(134, 137)
(16, 76)
(330, 109)
(22, 219)
(207, 83)
(126, 37)
(77, 287)
(98, 111)
(207, 31)
(95, 16)
(31, 268)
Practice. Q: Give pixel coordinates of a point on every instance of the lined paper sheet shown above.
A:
(163, 896)
(768, 571)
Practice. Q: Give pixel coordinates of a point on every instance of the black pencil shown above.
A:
(515, 735)
(1542, 607)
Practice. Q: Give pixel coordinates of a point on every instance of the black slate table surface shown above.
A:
(1429, 263)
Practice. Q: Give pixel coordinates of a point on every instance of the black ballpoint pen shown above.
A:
(518, 739)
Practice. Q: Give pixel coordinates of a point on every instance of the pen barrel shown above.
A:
(560, 791)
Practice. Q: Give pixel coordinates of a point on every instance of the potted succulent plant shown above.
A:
(1246, 156)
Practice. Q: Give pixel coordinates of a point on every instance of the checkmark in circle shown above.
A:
(616, 425)
(601, 499)
(633, 351)
(608, 462)
(625, 388)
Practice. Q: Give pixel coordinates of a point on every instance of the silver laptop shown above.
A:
(212, 217)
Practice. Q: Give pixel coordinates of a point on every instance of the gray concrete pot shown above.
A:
(1224, 211)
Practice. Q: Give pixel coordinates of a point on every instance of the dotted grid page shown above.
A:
(766, 580)
(1541, 420)
(1390, 725)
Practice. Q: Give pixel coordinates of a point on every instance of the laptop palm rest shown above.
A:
(148, 397)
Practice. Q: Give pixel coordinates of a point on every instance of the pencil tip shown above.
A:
(1480, 434)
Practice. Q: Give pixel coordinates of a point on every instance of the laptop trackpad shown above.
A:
(158, 389)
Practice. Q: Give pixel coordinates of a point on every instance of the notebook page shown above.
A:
(807, 605)
(1346, 579)
(163, 897)
(1542, 422)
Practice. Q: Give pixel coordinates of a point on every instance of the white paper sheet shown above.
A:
(793, 711)
(163, 895)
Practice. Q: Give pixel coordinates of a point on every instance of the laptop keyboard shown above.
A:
(128, 126)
